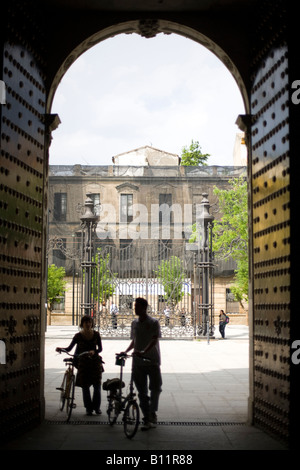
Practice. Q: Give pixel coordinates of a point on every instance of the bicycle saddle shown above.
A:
(68, 360)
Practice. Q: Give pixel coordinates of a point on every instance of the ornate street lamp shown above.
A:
(205, 269)
(88, 224)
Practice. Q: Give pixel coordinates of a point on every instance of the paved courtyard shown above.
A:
(201, 381)
(203, 406)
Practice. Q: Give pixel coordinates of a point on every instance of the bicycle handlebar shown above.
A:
(72, 355)
(60, 350)
(125, 356)
(76, 355)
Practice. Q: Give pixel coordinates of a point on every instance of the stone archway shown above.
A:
(149, 29)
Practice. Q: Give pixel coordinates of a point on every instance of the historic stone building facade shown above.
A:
(146, 213)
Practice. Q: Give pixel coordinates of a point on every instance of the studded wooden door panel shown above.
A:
(21, 223)
(271, 241)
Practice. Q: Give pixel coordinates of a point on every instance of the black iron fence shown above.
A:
(160, 271)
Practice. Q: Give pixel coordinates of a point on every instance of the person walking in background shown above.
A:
(114, 312)
(223, 320)
(145, 334)
(167, 312)
(89, 366)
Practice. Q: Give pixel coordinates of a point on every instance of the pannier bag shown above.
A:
(112, 384)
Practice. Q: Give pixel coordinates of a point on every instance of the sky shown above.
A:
(128, 92)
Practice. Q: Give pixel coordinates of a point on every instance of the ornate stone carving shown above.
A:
(148, 28)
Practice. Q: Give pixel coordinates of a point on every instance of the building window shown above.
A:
(232, 305)
(161, 302)
(59, 256)
(126, 261)
(126, 208)
(60, 206)
(164, 248)
(125, 249)
(59, 306)
(165, 206)
(96, 200)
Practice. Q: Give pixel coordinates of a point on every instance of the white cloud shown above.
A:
(129, 92)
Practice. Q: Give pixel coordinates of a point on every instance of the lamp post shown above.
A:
(205, 265)
(88, 224)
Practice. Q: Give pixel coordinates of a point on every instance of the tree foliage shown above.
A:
(102, 280)
(171, 274)
(193, 156)
(56, 285)
(230, 233)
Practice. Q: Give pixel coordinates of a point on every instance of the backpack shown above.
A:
(227, 320)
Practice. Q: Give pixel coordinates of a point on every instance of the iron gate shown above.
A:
(158, 271)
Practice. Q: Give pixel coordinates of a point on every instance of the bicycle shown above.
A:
(67, 387)
(117, 403)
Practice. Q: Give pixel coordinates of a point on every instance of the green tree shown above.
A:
(56, 285)
(171, 274)
(193, 156)
(230, 233)
(103, 280)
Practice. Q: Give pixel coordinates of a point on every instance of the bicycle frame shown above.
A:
(120, 360)
(117, 403)
(67, 387)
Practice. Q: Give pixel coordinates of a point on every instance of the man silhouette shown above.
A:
(145, 334)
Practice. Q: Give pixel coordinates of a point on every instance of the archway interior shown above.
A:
(128, 92)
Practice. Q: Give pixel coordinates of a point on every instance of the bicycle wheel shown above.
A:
(113, 410)
(62, 388)
(70, 393)
(131, 419)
